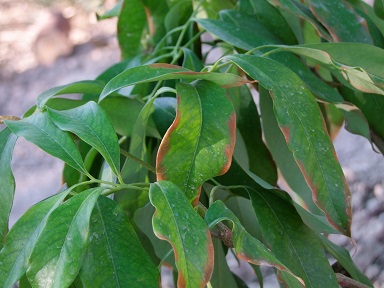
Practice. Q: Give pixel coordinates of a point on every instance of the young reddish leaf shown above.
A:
(341, 20)
(161, 71)
(247, 248)
(7, 181)
(300, 120)
(177, 222)
(200, 143)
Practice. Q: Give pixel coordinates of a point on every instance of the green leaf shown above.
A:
(41, 131)
(300, 10)
(204, 128)
(87, 86)
(7, 181)
(22, 238)
(221, 276)
(248, 123)
(247, 248)
(282, 155)
(270, 17)
(91, 123)
(123, 113)
(58, 254)
(354, 63)
(165, 113)
(157, 72)
(341, 20)
(177, 222)
(115, 257)
(113, 12)
(343, 257)
(191, 61)
(379, 8)
(130, 27)
(303, 129)
(289, 239)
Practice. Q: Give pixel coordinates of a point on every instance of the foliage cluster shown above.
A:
(169, 160)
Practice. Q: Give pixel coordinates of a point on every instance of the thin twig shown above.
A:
(141, 162)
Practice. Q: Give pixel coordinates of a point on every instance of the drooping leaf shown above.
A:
(204, 128)
(247, 248)
(283, 157)
(156, 11)
(157, 72)
(354, 63)
(58, 254)
(87, 86)
(343, 257)
(248, 123)
(41, 131)
(130, 27)
(303, 129)
(91, 123)
(113, 12)
(115, 257)
(291, 240)
(270, 17)
(341, 20)
(238, 36)
(177, 222)
(300, 10)
(22, 239)
(7, 181)
(191, 61)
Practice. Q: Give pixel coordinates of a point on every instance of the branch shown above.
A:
(346, 282)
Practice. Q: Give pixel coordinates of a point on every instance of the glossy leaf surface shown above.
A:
(204, 128)
(247, 248)
(17, 251)
(41, 131)
(115, 257)
(299, 119)
(157, 72)
(7, 181)
(92, 125)
(177, 222)
(58, 254)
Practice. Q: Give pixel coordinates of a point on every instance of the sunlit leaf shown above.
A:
(247, 248)
(58, 254)
(115, 257)
(22, 239)
(204, 128)
(300, 120)
(7, 181)
(91, 123)
(41, 131)
(177, 222)
(157, 72)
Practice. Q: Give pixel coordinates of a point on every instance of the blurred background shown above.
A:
(47, 43)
